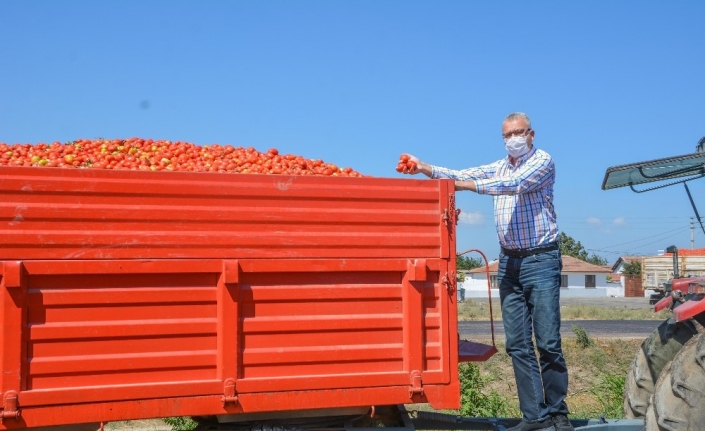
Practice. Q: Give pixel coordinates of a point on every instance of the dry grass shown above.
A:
(138, 425)
(480, 310)
(586, 369)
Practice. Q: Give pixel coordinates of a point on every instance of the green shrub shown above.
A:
(610, 393)
(181, 423)
(584, 340)
(474, 402)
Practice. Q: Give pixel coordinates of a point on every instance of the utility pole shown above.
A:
(692, 233)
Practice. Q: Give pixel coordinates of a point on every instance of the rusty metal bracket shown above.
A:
(449, 281)
(9, 404)
(229, 393)
(451, 215)
(416, 385)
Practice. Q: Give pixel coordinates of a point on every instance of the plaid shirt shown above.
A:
(523, 197)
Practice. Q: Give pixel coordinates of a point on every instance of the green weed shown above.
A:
(584, 340)
(609, 392)
(181, 423)
(475, 401)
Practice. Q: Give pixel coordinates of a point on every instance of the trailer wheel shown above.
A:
(655, 352)
(679, 397)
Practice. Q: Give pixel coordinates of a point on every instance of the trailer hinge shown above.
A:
(9, 405)
(451, 215)
(416, 387)
(229, 394)
(449, 282)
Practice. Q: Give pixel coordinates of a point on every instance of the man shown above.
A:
(529, 271)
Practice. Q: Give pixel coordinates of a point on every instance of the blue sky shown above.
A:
(357, 83)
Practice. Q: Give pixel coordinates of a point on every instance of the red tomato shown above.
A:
(154, 155)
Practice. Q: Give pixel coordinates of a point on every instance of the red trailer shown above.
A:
(131, 294)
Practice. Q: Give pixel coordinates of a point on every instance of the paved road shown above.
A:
(595, 328)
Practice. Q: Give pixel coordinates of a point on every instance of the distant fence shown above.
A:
(478, 290)
(632, 286)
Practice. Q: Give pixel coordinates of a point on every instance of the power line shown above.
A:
(642, 245)
(648, 237)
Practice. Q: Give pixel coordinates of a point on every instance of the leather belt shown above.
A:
(530, 251)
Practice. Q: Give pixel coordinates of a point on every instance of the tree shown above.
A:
(467, 263)
(464, 263)
(632, 268)
(571, 247)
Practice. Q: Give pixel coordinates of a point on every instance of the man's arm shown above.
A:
(465, 175)
(469, 185)
(426, 169)
(536, 173)
(421, 167)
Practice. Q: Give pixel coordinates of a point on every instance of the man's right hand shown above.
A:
(421, 167)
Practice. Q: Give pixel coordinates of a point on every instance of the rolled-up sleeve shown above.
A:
(476, 173)
(537, 173)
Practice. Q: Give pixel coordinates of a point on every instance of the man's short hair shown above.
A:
(517, 115)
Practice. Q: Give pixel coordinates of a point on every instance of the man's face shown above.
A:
(517, 127)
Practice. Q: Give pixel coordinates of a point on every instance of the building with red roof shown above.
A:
(578, 279)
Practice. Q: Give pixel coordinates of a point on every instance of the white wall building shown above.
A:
(579, 279)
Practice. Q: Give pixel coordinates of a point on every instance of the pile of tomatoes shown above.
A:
(162, 155)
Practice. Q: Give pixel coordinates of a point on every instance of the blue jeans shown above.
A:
(529, 288)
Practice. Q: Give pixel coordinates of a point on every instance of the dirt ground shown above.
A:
(138, 425)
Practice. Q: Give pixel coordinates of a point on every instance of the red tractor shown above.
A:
(666, 381)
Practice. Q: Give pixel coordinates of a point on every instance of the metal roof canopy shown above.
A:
(691, 166)
(687, 167)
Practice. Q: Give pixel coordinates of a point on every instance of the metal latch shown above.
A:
(416, 387)
(450, 218)
(229, 394)
(451, 215)
(449, 281)
(9, 404)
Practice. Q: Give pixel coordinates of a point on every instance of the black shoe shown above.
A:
(544, 425)
(561, 423)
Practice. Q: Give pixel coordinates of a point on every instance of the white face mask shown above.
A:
(516, 146)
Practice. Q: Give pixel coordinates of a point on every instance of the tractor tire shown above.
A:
(650, 418)
(654, 354)
(679, 396)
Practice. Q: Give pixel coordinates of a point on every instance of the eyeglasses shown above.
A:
(518, 132)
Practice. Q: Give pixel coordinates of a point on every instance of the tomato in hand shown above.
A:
(406, 165)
